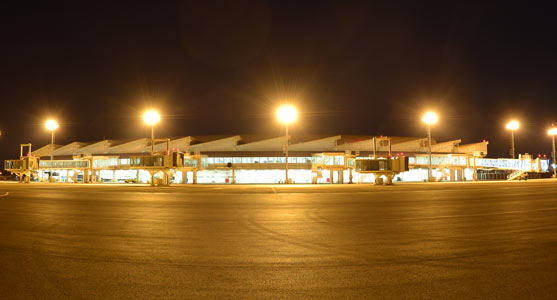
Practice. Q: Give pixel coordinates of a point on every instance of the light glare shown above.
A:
(151, 117)
(430, 118)
(513, 125)
(552, 131)
(287, 114)
(51, 124)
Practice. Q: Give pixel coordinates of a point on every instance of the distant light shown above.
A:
(552, 131)
(151, 117)
(51, 124)
(512, 125)
(430, 118)
(287, 114)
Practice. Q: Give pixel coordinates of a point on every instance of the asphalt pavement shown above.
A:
(409, 241)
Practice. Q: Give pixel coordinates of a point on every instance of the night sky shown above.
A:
(211, 67)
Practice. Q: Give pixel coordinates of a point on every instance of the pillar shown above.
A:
(184, 177)
(194, 179)
(389, 179)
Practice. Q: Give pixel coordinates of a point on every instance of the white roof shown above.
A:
(69, 149)
(44, 150)
(226, 144)
(365, 145)
(181, 144)
(136, 146)
(325, 144)
(274, 144)
(328, 144)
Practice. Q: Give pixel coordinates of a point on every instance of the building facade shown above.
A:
(261, 159)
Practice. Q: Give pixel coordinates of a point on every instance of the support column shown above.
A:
(233, 176)
(475, 172)
(389, 179)
(137, 176)
(114, 175)
(350, 181)
(184, 177)
(331, 174)
(194, 179)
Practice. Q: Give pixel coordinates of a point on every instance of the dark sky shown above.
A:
(211, 67)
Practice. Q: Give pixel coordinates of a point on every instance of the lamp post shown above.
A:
(287, 114)
(512, 126)
(152, 117)
(430, 118)
(553, 132)
(51, 125)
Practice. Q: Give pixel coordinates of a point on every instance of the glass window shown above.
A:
(317, 159)
(339, 160)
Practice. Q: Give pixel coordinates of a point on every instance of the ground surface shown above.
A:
(411, 241)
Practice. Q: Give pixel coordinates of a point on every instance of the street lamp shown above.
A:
(512, 126)
(51, 125)
(430, 118)
(553, 132)
(287, 114)
(152, 117)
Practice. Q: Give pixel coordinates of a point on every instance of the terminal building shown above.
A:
(261, 159)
